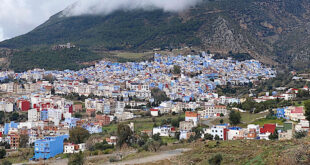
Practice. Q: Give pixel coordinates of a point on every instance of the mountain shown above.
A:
(273, 31)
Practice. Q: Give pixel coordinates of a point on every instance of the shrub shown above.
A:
(300, 134)
(216, 160)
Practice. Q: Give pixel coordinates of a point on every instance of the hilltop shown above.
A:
(274, 32)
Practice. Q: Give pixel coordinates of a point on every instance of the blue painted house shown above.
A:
(49, 147)
(8, 126)
(280, 113)
(44, 114)
(71, 122)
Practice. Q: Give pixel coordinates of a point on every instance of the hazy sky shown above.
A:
(21, 16)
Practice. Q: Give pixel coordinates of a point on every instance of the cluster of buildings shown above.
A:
(114, 91)
(225, 132)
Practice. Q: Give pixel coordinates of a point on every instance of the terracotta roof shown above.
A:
(191, 114)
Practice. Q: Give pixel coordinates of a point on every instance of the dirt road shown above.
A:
(160, 156)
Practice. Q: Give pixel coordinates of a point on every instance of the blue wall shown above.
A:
(49, 147)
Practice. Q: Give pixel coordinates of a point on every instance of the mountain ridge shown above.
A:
(272, 31)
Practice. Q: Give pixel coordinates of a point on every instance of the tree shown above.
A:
(77, 115)
(197, 131)
(234, 117)
(85, 81)
(274, 135)
(300, 134)
(208, 136)
(159, 95)
(92, 140)
(221, 121)
(6, 162)
(14, 116)
(175, 123)
(50, 78)
(24, 139)
(152, 145)
(124, 134)
(2, 117)
(307, 111)
(2, 153)
(176, 69)
(216, 137)
(103, 146)
(216, 160)
(53, 91)
(78, 135)
(76, 159)
(156, 137)
(221, 115)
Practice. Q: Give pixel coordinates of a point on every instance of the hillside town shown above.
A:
(41, 108)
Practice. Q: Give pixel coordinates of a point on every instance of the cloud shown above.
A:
(20, 16)
(105, 7)
(1, 35)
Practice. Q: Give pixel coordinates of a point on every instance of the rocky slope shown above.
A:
(273, 31)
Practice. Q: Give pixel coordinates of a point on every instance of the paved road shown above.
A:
(160, 156)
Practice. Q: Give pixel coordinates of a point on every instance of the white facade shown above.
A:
(55, 116)
(162, 131)
(120, 106)
(74, 148)
(193, 119)
(33, 115)
(154, 113)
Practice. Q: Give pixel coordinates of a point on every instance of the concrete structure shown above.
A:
(71, 148)
(154, 112)
(163, 130)
(191, 116)
(49, 147)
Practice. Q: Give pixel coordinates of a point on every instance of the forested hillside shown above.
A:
(273, 31)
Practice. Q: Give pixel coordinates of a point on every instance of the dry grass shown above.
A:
(248, 152)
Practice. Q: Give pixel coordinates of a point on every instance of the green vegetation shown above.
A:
(52, 59)
(24, 139)
(300, 134)
(76, 159)
(257, 30)
(216, 160)
(78, 135)
(274, 135)
(246, 118)
(283, 79)
(2, 153)
(102, 146)
(248, 152)
(235, 56)
(6, 162)
(124, 134)
(159, 96)
(176, 69)
(307, 109)
(234, 118)
(263, 121)
(252, 106)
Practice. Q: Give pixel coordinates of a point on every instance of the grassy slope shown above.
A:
(246, 118)
(145, 123)
(246, 152)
